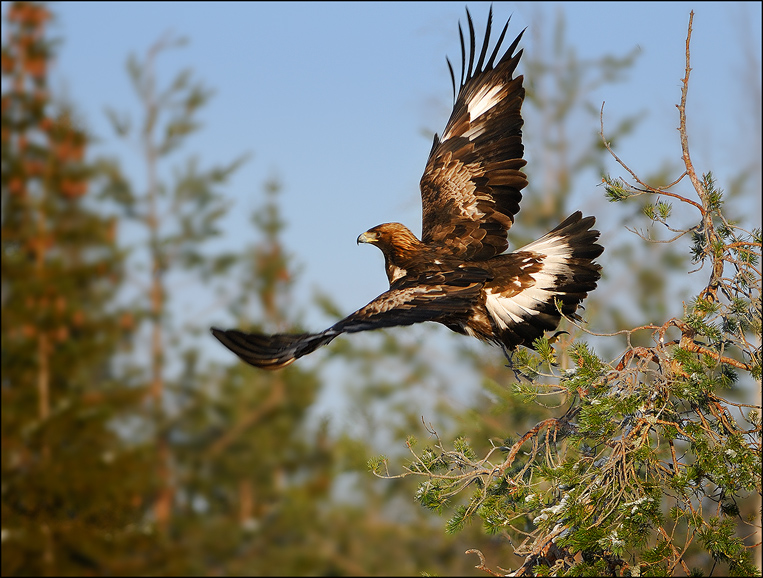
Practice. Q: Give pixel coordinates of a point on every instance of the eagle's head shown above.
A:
(402, 250)
(391, 237)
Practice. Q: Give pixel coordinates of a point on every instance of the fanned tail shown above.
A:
(272, 351)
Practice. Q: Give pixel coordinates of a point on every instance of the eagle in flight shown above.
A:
(458, 273)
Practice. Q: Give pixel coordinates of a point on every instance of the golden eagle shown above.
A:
(458, 273)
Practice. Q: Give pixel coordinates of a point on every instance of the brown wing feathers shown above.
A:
(471, 186)
(436, 296)
(271, 351)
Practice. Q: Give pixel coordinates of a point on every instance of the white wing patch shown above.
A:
(503, 310)
(509, 309)
(474, 132)
(555, 254)
(548, 246)
(485, 99)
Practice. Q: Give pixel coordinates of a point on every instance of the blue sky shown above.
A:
(334, 99)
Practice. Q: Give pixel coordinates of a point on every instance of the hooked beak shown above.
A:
(368, 237)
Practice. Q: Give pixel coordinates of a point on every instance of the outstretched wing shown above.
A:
(471, 187)
(445, 297)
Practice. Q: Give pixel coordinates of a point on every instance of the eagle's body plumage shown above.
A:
(458, 274)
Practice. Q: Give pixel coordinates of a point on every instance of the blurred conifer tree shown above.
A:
(71, 487)
(174, 217)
